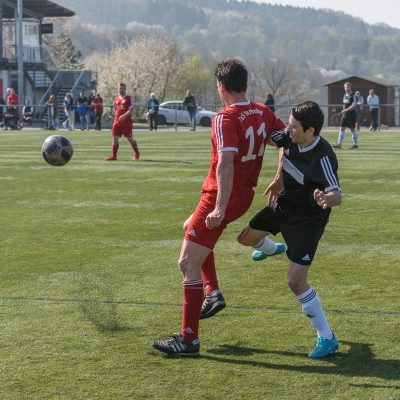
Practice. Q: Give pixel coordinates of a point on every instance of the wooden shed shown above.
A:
(388, 95)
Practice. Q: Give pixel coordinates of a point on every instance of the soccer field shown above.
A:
(89, 278)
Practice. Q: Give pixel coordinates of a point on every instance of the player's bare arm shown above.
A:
(125, 116)
(348, 109)
(225, 182)
(329, 199)
(276, 185)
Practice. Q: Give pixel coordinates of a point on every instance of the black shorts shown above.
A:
(348, 121)
(300, 230)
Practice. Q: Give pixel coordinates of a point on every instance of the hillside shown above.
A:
(305, 37)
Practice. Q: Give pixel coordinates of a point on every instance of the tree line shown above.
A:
(168, 46)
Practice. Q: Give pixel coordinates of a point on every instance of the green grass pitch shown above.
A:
(89, 278)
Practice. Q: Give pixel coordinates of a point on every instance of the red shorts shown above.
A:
(121, 130)
(198, 233)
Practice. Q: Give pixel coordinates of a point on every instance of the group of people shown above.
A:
(300, 198)
(189, 102)
(9, 112)
(352, 114)
(87, 110)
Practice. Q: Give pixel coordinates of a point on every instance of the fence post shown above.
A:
(176, 120)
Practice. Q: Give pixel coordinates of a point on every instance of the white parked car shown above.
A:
(171, 112)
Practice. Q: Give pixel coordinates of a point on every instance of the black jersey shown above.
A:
(349, 100)
(304, 170)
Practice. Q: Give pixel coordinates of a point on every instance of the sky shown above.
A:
(372, 12)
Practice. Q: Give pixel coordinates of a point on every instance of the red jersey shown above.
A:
(13, 99)
(97, 104)
(121, 106)
(245, 129)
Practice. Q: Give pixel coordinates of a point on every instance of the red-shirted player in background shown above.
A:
(122, 125)
(239, 135)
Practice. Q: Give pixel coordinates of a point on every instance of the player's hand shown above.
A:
(121, 118)
(321, 198)
(273, 189)
(214, 219)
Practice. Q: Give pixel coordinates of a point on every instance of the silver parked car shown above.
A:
(171, 112)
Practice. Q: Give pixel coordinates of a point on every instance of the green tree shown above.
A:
(192, 76)
(63, 54)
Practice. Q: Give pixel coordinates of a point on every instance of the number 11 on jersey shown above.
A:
(250, 136)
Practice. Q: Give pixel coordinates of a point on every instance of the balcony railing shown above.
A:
(31, 54)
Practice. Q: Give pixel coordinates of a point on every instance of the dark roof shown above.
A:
(36, 9)
(365, 78)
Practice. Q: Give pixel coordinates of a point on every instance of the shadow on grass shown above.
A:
(104, 317)
(359, 360)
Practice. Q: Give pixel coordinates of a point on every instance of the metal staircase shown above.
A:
(39, 78)
(66, 81)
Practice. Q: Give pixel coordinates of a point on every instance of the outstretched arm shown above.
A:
(276, 186)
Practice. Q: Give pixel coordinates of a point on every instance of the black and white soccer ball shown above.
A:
(57, 150)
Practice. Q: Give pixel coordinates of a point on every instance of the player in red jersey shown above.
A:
(239, 135)
(122, 125)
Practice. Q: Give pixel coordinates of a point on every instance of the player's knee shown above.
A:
(293, 284)
(245, 238)
(241, 238)
(183, 265)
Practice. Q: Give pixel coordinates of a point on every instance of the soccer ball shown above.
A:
(57, 150)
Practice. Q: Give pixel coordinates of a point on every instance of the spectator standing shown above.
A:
(152, 106)
(97, 106)
(373, 102)
(348, 117)
(12, 114)
(270, 102)
(12, 97)
(81, 108)
(189, 102)
(53, 112)
(359, 109)
(69, 110)
(90, 114)
(2, 109)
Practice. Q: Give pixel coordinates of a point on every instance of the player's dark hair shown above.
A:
(310, 115)
(122, 84)
(233, 74)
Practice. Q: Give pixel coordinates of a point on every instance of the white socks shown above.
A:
(355, 137)
(341, 137)
(267, 246)
(312, 308)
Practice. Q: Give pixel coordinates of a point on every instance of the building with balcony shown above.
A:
(39, 80)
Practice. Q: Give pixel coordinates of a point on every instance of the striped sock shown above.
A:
(312, 308)
(267, 246)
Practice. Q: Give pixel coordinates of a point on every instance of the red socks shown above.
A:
(192, 300)
(209, 274)
(114, 148)
(135, 149)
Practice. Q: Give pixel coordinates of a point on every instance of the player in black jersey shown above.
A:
(349, 117)
(301, 196)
